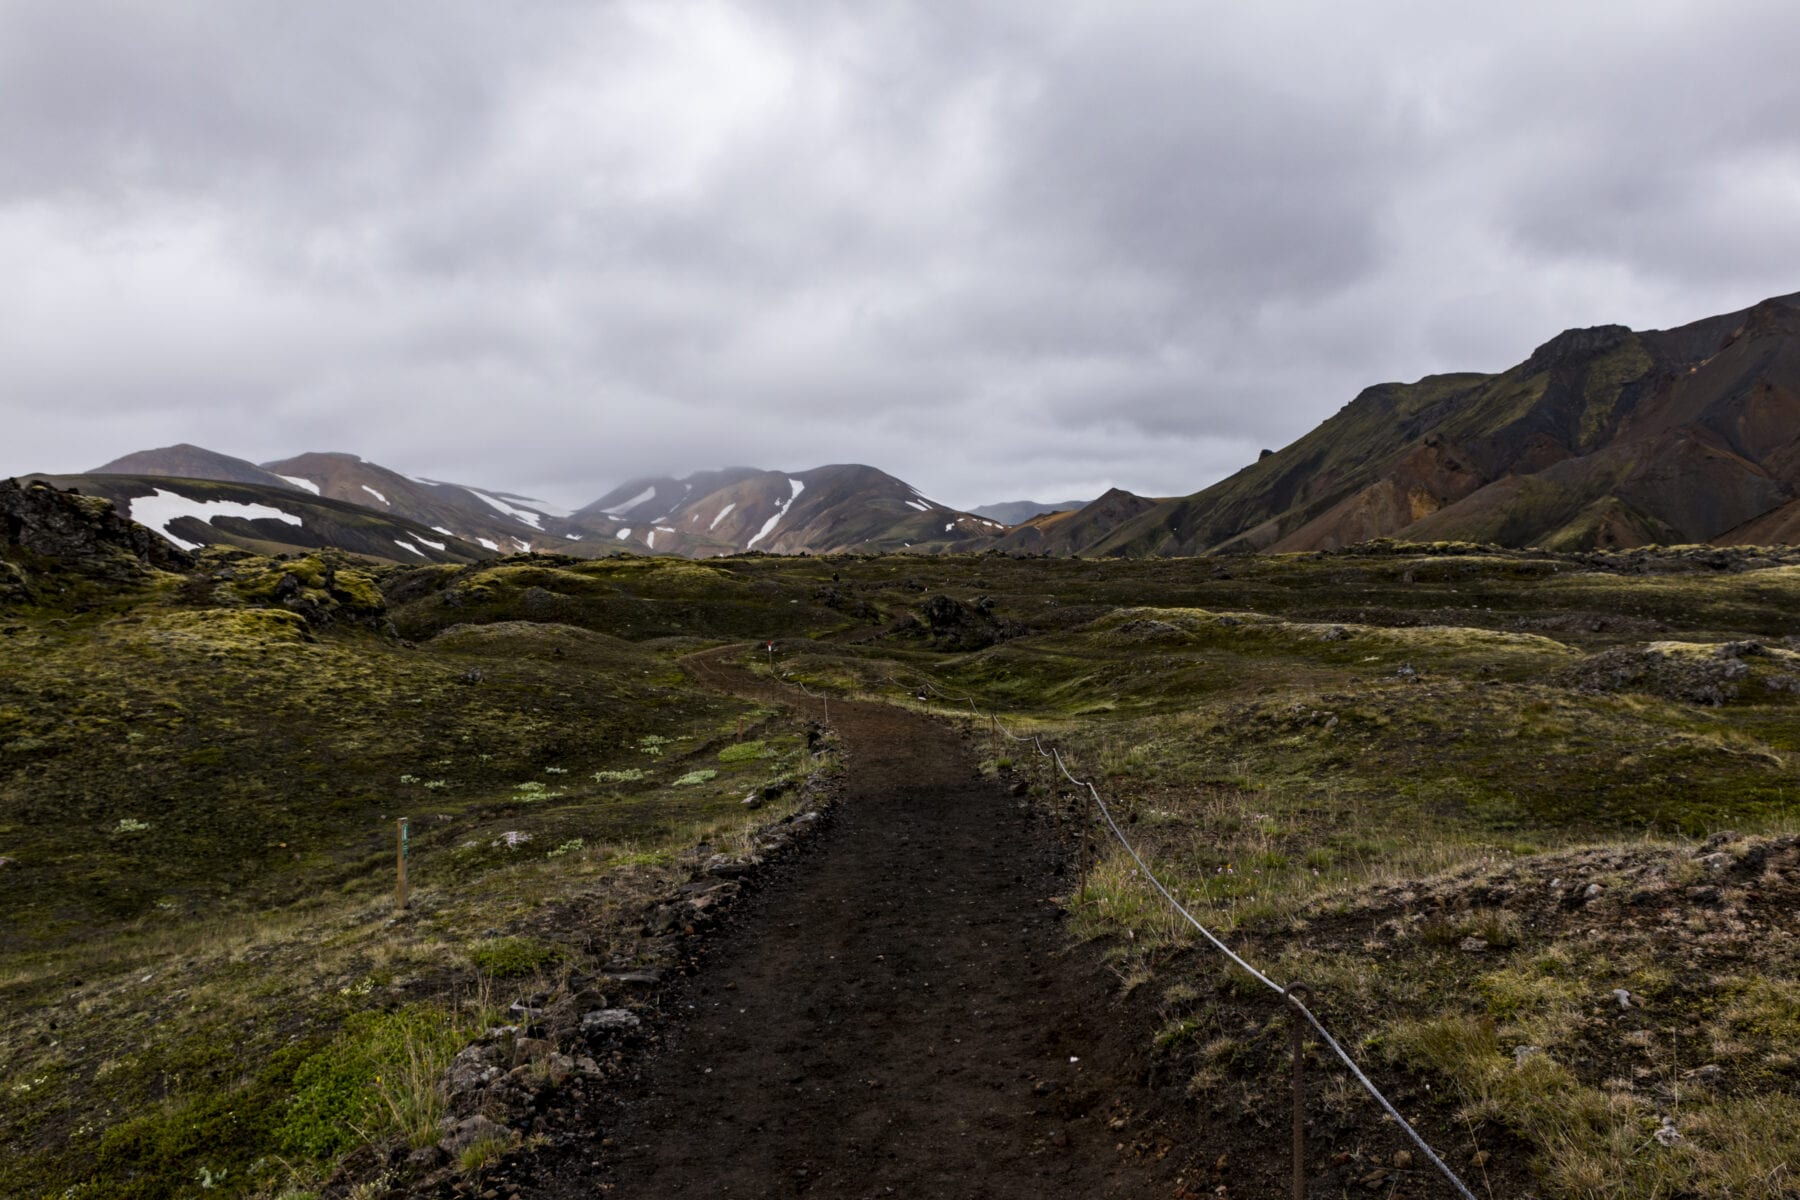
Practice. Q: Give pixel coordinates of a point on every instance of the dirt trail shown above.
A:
(898, 1016)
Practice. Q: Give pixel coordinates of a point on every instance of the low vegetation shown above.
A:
(1468, 796)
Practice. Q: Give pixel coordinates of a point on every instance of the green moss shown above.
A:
(339, 1099)
(514, 957)
(1604, 386)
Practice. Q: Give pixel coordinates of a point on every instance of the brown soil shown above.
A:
(900, 1014)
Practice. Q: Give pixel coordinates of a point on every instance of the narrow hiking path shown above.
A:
(900, 1015)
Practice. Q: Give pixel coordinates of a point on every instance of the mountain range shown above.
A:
(192, 495)
(1603, 438)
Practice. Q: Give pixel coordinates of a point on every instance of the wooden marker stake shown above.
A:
(400, 865)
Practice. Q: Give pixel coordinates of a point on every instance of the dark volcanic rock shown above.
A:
(957, 626)
(45, 528)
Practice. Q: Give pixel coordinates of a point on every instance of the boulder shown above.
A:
(605, 1021)
(469, 1130)
(473, 1068)
(84, 534)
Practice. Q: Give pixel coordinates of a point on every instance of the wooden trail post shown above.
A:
(1087, 821)
(1297, 1044)
(400, 864)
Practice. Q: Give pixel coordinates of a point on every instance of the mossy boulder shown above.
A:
(324, 588)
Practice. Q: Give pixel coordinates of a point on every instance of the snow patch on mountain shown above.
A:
(158, 510)
(410, 546)
(768, 526)
(723, 513)
(636, 500)
(522, 515)
(374, 493)
(542, 506)
(303, 484)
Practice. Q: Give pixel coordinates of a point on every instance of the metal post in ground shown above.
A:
(1297, 1045)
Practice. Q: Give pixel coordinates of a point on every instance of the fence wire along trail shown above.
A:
(1289, 994)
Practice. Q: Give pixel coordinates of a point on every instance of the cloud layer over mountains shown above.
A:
(999, 250)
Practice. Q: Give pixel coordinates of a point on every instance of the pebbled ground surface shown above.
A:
(899, 1015)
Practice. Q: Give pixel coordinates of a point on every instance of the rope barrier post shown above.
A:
(400, 865)
(1297, 1044)
(1087, 852)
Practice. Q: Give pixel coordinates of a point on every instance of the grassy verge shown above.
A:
(207, 984)
(1465, 794)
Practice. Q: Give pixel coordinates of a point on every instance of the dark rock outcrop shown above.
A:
(44, 529)
(958, 626)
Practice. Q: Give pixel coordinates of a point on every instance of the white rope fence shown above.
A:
(806, 691)
(1286, 993)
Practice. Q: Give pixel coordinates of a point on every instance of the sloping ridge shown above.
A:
(194, 512)
(492, 520)
(840, 508)
(1074, 531)
(185, 460)
(1603, 437)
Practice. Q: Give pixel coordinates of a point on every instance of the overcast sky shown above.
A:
(1001, 250)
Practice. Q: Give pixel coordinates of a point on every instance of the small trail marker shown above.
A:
(400, 864)
(1297, 1048)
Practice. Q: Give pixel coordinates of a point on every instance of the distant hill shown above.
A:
(1073, 532)
(1013, 512)
(1604, 437)
(496, 521)
(185, 461)
(270, 520)
(826, 510)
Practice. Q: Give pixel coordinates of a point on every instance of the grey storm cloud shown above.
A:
(1001, 250)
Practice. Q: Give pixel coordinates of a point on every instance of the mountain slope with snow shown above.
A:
(190, 513)
(499, 522)
(844, 508)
